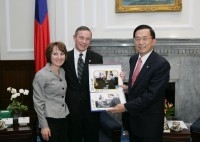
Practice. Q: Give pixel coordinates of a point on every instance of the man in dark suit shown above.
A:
(100, 81)
(112, 81)
(115, 100)
(83, 124)
(145, 98)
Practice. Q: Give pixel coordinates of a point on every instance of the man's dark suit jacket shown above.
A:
(115, 101)
(145, 99)
(78, 95)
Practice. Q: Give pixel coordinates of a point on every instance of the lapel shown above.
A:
(144, 69)
(70, 60)
(87, 61)
(72, 64)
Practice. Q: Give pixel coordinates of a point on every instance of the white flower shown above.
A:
(18, 94)
(26, 92)
(13, 90)
(14, 96)
(21, 90)
(9, 89)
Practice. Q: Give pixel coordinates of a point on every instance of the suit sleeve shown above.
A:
(39, 99)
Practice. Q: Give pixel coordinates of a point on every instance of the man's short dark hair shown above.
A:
(82, 28)
(140, 27)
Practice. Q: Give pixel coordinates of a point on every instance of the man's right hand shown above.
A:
(125, 88)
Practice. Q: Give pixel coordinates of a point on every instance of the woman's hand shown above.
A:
(46, 133)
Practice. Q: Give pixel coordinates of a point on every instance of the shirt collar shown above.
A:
(76, 53)
(144, 58)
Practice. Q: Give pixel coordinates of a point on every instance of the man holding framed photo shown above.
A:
(148, 79)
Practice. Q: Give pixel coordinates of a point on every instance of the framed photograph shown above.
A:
(105, 90)
(122, 6)
(103, 101)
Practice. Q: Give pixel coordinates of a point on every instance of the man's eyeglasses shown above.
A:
(144, 39)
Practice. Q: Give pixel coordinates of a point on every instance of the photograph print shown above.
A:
(103, 101)
(104, 78)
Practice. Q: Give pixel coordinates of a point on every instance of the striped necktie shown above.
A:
(80, 67)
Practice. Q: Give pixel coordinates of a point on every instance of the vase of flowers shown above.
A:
(169, 109)
(16, 106)
(169, 112)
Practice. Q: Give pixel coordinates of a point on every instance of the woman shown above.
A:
(49, 88)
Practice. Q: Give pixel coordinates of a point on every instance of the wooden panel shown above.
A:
(182, 136)
(17, 134)
(195, 136)
(17, 74)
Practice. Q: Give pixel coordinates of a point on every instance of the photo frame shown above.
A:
(105, 90)
(127, 6)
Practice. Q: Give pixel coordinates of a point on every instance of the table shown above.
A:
(17, 133)
(182, 136)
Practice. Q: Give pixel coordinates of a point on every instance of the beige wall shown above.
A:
(17, 17)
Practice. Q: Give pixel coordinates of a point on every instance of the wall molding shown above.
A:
(8, 46)
(163, 46)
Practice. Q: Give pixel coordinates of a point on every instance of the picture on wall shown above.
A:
(122, 6)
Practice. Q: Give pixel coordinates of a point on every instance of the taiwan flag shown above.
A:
(41, 33)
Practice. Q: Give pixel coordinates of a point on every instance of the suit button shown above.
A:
(63, 88)
(62, 96)
(63, 105)
(60, 80)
